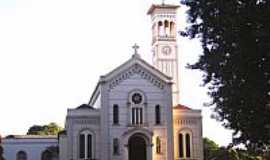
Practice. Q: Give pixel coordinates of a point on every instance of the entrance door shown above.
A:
(136, 148)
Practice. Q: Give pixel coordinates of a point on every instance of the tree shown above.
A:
(50, 129)
(235, 37)
(213, 152)
(209, 148)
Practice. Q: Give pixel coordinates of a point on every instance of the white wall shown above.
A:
(154, 96)
(33, 147)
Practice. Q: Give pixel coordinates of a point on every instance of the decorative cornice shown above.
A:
(189, 121)
(136, 69)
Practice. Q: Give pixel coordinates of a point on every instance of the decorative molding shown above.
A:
(87, 121)
(136, 69)
(185, 122)
(168, 15)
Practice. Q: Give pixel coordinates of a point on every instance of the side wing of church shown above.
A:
(134, 111)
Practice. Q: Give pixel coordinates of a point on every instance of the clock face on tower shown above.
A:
(166, 50)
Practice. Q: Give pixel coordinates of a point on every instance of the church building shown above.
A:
(134, 111)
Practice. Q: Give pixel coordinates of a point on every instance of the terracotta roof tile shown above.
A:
(85, 106)
(180, 106)
(167, 6)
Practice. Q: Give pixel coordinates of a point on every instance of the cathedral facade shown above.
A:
(134, 114)
(134, 111)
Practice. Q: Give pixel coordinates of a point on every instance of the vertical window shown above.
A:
(141, 115)
(187, 145)
(115, 146)
(137, 115)
(166, 29)
(157, 113)
(172, 28)
(159, 28)
(82, 146)
(158, 145)
(181, 147)
(21, 155)
(89, 146)
(166, 24)
(133, 115)
(136, 101)
(115, 114)
(85, 145)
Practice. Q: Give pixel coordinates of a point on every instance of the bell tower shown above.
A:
(164, 43)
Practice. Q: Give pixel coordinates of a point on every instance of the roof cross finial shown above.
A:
(163, 2)
(136, 48)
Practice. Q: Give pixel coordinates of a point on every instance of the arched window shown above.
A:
(166, 24)
(160, 28)
(85, 145)
(115, 146)
(137, 105)
(157, 114)
(46, 155)
(185, 144)
(21, 155)
(158, 145)
(181, 145)
(115, 114)
(172, 29)
(188, 145)
(137, 115)
(166, 28)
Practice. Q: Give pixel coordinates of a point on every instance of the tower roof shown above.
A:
(181, 107)
(85, 106)
(161, 6)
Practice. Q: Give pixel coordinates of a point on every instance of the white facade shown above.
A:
(133, 113)
(32, 146)
(136, 115)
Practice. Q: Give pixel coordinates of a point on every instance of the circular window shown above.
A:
(136, 98)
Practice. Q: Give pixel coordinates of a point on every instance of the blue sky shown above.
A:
(52, 53)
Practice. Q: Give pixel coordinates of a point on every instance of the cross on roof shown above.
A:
(163, 2)
(136, 48)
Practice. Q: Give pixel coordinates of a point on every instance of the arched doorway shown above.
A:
(137, 148)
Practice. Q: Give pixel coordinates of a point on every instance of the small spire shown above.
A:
(136, 48)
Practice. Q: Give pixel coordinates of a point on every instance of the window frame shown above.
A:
(158, 115)
(115, 114)
(187, 145)
(137, 110)
(158, 145)
(88, 145)
(116, 146)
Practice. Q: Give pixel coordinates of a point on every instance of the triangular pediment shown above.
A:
(136, 66)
